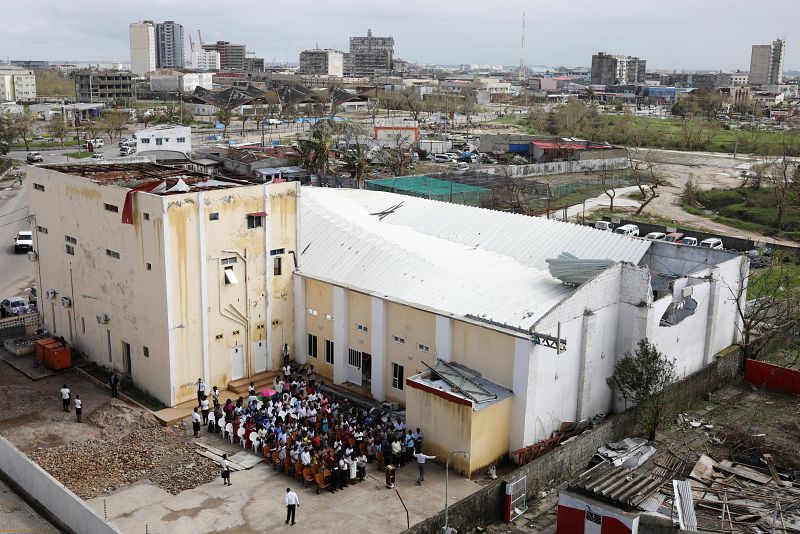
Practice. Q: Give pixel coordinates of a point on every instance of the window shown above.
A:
(228, 261)
(312, 312)
(312, 345)
(213, 216)
(148, 266)
(113, 254)
(41, 230)
(70, 250)
(255, 221)
(423, 348)
(145, 141)
(276, 251)
(83, 324)
(398, 339)
(111, 207)
(397, 376)
(362, 328)
(146, 216)
(146, 352)
(230, 276)
(38, 187)
(329, 351)
(181, 139)
(70, 239)
(276, 265)
(159, 141)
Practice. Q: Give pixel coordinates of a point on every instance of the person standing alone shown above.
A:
(201, 391)
(285, 354)
(78, 407)
(65, 398)
(421, 464)
(114, 382)
(292, 503)
(226, 470)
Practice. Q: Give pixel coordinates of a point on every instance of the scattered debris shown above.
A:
(17, 401)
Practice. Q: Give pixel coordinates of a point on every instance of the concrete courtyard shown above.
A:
(255, 503)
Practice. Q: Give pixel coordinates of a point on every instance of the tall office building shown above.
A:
(143, 47)
(371, 55)
(766, 63)
(231, 56)
(169, 45)
(617, 70)
(322, 62)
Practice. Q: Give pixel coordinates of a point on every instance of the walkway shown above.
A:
(17, 516)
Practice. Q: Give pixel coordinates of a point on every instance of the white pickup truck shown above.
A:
(23, 242)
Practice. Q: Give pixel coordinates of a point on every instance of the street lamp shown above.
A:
(447, 529)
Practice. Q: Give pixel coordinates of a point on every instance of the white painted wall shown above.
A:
(175, 138)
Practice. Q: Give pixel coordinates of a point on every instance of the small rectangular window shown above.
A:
(362, 328)
(213, 216)
(145, 141)
(148, 266)
(181, 139)
(111, 207)
(146, 216)
(228, 261)
(41, 230)
(113, 254)
(423, 348)
(397, 376)
(398, 339)
(276, 265)
(159, 141)
(38, 187)
(277, 251)
(83, 324)
(70, 250)
(312, 312)
(146, 352)
(329, 351)
(312, 345)
(255, 221)
(70, 239)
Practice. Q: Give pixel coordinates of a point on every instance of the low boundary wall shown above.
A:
(560, 167)
(776, 378)
(49, 493)
(571, 458)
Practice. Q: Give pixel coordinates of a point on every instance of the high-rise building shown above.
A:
(17, 84)
(205, 59)
(143, 47)
(231, 56)
(766, 63)
(617, 70)
(371, 55)
(102, 86)
(322, 62)
(169, 45)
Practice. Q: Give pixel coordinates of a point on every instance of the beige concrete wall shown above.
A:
(487, 351)
(490, 431)
(359, 312)
(415, 327)
(282, 235)
(319, 297)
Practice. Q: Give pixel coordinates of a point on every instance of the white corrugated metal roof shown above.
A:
(455, 259)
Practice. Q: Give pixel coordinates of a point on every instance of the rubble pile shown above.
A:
(133, 448)
(16, 401)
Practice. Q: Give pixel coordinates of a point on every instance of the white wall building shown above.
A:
(180, 81)
(322, 62)
(390, 132)
(205, 59)
(164, 137)
(17, 84)
(143, 47)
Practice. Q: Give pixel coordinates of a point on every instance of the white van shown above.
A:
(603, 225)
(656, 236)
(714, 243)
(127, 150)
(688, 241)
(627, 229)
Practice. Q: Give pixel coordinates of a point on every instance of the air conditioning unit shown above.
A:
(66, 302)
(102, 318)
(32, 256)
(50, 294)
(686, 292)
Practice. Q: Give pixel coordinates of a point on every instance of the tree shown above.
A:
(412, 103)
(113, 122)
(50, 82)
(224, 117)
(606, 182)
(570, 118)
(8, 131)
(642, 378)
(144, 116)
(58, 128)
(24, 125)
(244, 118)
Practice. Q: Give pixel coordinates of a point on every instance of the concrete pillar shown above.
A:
(524, 387)
(201, 258)
(165, 231)
(711, 320)
(339, 335)
(444, 338)
(586, 366)
(300, 350)
(378, 343)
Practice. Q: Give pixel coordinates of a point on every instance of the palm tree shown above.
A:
(356, 164)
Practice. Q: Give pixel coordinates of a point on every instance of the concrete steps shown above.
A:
(260, 381)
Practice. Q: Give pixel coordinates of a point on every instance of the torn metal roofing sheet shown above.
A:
(617, 484)
(456, 260)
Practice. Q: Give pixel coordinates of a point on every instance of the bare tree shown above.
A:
(112, 122)
(24, 124)
(607, 183)
(510, 194)
(58, 128)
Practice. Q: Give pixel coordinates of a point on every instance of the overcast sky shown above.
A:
(674, 34)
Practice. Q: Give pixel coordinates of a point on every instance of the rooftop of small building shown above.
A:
(462, 382)
(149, 177)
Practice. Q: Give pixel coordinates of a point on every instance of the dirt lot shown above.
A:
(115, 446)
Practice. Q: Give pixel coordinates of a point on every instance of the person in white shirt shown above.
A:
(78, 407)
(305, 458)
(421, 464)
(226, 470)
(196, 419)
(201, 390)
(292, 503)
(65, 397)
(215, 396)
(204, 409)
(287, 372)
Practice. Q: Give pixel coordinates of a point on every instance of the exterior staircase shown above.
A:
(259, 380)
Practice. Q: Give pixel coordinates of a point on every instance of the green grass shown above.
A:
(45, 144)
(78, 155)
(509, 120)
(577, 197)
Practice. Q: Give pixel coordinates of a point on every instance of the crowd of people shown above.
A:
(318, 432)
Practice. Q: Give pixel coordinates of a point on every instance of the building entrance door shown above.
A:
(354, 366)
(366, 370)
(237, 363)
(260, 355)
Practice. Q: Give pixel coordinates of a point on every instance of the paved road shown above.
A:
(16, 272)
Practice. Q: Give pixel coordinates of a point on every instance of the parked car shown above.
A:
(96, 143)
(712, 243)
(23, 242)
(126, 150)
(34, 157)
(15, 306)
(461, 166)
(656, 236)
(688, 241)
(627, 229)
(96, 156)
(442, 158)
(123, 141)
(604, 225)
(674, 237)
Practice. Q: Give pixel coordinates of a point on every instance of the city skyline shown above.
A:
(446, 33)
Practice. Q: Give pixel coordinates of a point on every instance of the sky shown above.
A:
(674, 34)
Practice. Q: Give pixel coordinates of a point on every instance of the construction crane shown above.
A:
(200, 36)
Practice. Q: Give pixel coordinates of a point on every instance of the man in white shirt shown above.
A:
(78, 407)
(201, 390)
(226, 470)
(305, 458)
(204, 409)
(292, 503)
(421, 464)
(287, 371)
(196, 419)
(65, 397)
